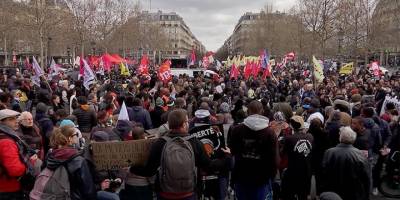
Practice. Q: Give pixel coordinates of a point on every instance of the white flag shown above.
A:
(77, 61)
(88, 76)
(36, 67)
(54, 69)
(123, 113)
(38, 72)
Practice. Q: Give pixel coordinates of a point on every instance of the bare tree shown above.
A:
(319, 17)
(84, 23)
(111, 14)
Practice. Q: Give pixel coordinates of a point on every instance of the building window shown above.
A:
(176, 45)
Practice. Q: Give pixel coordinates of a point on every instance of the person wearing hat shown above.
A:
(314, 112)
(124, 129)
(11, 165)
(296, 180)
(157, 112)
(342, 105)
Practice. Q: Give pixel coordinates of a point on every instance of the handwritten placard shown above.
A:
(118, 155)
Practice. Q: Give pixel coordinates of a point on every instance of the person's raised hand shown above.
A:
(226, 150)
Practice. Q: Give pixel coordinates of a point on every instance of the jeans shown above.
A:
(253, 192)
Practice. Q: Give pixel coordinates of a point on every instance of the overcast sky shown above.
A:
(212, 21)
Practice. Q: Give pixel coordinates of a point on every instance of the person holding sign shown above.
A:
(176, 157)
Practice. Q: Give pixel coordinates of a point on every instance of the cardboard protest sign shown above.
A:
(117, 155)
(389, 99)
(212, 135)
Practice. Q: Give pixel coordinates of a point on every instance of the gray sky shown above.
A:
(212, 21)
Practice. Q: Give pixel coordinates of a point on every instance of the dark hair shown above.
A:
(54, 97)
(137, 133)
(176, 118)
(368, 112)
(82, 100)
(255, 107)
(390, 106)
(136, 102)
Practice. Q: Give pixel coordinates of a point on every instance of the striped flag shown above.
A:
(88, 75)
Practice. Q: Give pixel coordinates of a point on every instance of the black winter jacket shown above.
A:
(346, 172)
(86, 118)
(255, 149)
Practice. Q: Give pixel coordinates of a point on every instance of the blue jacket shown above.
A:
(375, 138)
(140, 115)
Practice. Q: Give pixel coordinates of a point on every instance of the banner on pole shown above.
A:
(389, 99)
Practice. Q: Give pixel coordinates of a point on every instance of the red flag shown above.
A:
(206, 62)
(255, 68)
(144, 65)
(81, 68)
(247, 70)
(164, 73)
(267, 71)
(28, 66)
(234, 72)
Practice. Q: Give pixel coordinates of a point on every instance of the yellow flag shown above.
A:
(228, 62)
(242, 61)
(124, 70)
(347, 68)
(318, 70)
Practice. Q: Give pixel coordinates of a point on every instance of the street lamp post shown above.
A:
(48, 51)
(69, 55)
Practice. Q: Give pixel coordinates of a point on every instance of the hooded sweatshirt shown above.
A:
(255, 148)
(374, 139)
(80, 177)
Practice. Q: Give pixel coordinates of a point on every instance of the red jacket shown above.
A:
(11, 166)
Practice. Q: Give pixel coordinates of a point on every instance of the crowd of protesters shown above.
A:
(280, 132)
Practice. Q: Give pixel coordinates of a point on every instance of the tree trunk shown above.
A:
(41, 51)
(5, 51)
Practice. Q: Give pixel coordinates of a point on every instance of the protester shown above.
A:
(258, 134)
(64, 154)
(141, 115)
(45, 124)
(296, 179)
(255, 149)
(12, 167)
(176, 178)
(86, 117)
(346, 169)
